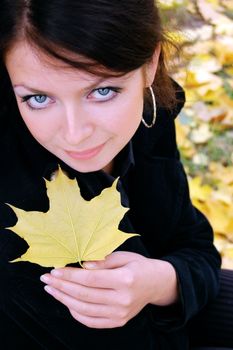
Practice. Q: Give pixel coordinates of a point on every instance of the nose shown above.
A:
(77, 126)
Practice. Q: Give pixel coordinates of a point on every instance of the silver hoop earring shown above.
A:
(154, 110)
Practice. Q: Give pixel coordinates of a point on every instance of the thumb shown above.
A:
(112, 261)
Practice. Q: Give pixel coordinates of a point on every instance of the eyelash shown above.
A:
(26, 98)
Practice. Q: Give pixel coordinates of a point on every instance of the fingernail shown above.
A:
(56, 273)
(89, 265)
(49, 289)
(44, 278)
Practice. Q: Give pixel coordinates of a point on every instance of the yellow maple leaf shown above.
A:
(73, 229)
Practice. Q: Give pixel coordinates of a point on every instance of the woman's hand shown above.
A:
(108, 293)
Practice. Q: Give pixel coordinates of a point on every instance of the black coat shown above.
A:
(161, 212)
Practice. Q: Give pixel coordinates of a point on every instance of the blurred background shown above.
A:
(204, 68)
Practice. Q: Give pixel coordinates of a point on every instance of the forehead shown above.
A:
(25, 61)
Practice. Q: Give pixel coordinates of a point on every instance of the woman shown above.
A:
(79, 84)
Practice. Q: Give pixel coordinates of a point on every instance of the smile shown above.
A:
(86, 154)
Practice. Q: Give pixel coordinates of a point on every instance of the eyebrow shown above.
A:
(91, 86)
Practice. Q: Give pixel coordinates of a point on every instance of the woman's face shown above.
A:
(83, 119)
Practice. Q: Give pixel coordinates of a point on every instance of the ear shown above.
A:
(151, 67)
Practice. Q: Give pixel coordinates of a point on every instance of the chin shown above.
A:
(83, 168)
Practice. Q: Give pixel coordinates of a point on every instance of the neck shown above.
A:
(108, 168)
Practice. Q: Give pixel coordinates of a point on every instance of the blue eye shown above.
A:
(40, 98)
(105, 93)
(37, 101)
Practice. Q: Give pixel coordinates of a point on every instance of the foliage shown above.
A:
(87, 230)
(204, 30)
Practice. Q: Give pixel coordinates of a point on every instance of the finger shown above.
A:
(82, 308)
(112, 261)
(89, 278)
(95, 322)
(80, 292)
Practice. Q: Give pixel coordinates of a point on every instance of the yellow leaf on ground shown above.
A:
(199, 191)
(185, 145)
(222, 173)
(230, 227)
(201, 134)
(212, 15)
(219, 216)
(73, 230)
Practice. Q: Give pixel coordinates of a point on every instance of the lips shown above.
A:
(86, 154)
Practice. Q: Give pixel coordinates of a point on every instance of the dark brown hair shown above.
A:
(119, 36)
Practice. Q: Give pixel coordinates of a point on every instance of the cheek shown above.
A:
(40, 127)
(131, 114)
